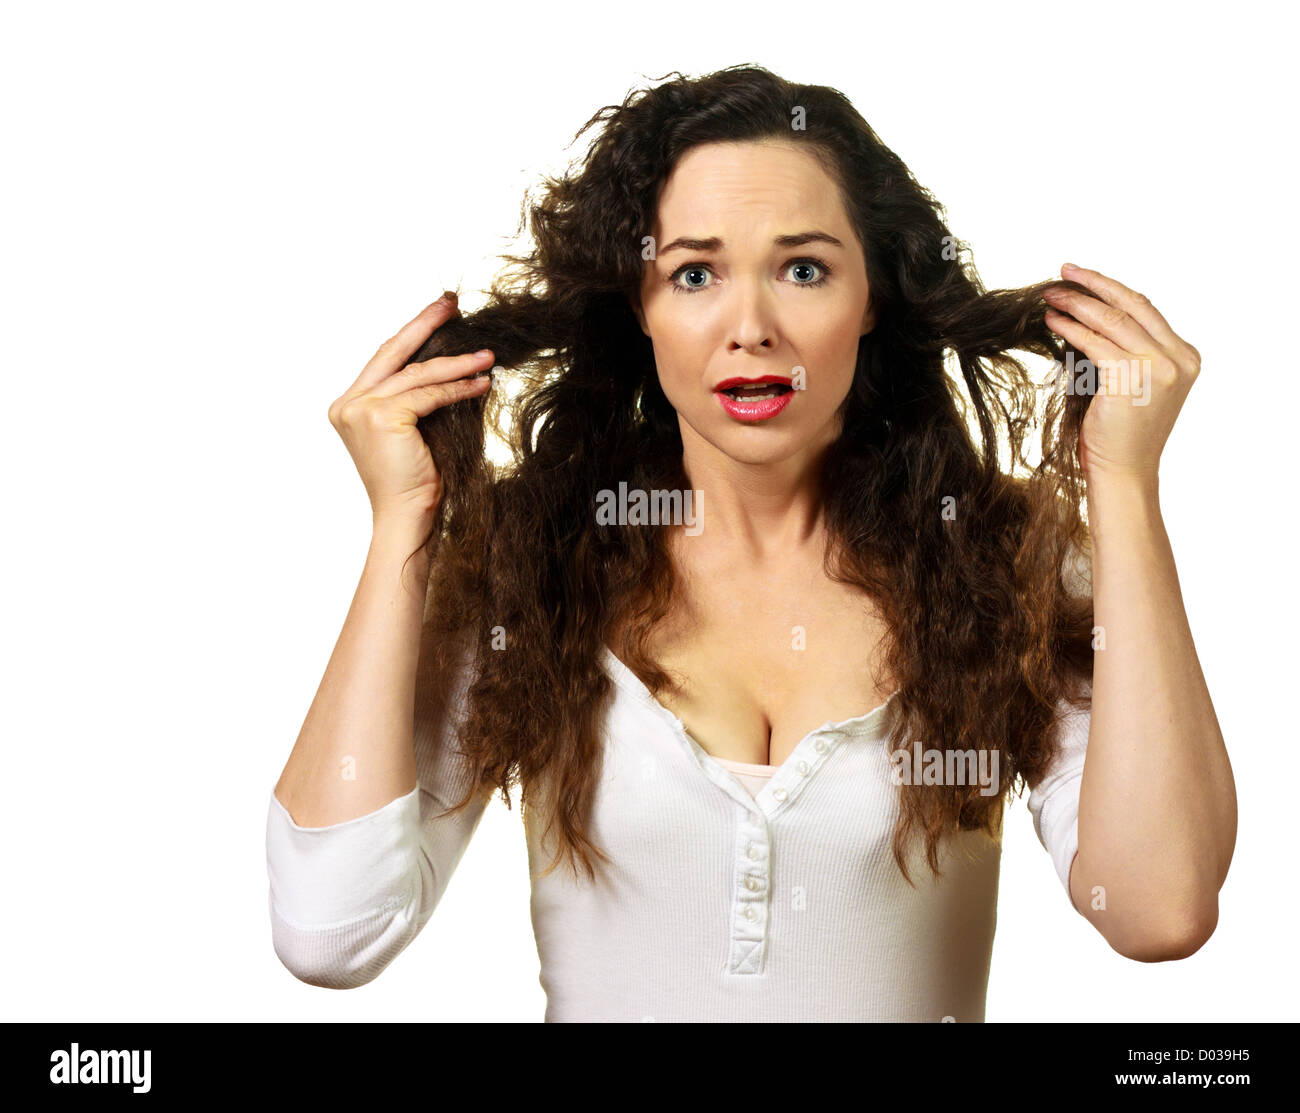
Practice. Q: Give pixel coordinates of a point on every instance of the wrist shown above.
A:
(402, 534)
(1124, 498)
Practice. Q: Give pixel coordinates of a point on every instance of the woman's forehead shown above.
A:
(747, 188)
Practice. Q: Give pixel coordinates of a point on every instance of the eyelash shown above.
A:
(678, 289)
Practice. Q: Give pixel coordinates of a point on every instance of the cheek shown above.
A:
(845, 324)
(681, 348)
(833, 347)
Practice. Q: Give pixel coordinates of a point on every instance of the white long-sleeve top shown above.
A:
(719, 905)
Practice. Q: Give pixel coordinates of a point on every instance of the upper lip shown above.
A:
(727, 384)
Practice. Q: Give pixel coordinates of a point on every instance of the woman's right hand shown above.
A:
(377, 415)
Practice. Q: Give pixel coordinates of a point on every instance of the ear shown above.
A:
(634, 300)
(868, 317)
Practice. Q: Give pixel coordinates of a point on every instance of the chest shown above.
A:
(764, 656)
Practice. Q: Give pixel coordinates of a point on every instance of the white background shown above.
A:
(214, 213)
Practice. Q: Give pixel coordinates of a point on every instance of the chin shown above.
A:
(759, 444)
(756, 455)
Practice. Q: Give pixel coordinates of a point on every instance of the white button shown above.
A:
(820, 745)
(751, 883)
(780, 794)
(752, 851)
(803, 768)
(750, 913)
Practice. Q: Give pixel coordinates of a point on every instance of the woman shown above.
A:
(770, 732)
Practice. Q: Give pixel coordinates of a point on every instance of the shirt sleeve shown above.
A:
(347, 899)
(1054, 799)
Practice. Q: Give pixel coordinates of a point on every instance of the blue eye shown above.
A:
(804, 269)
(689, 269)
(806, 265)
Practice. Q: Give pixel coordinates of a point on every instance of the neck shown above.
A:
(759, 510)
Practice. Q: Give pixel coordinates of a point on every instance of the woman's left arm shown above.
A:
(1157, 803)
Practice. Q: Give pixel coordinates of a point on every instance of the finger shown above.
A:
(1105, 319)
(1134, 304)
(422, 400)
(1095, 346)
(394, 352)
(440, 369)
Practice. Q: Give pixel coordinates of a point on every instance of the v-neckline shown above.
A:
(805, 758)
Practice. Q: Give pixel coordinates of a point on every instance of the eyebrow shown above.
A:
(714, 243)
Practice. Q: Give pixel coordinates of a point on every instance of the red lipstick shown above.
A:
(747, 401)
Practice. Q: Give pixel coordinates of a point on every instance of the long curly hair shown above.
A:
(987, 626)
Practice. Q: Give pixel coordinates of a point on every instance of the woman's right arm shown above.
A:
(354, 752)
(348, 896)
(356, 857)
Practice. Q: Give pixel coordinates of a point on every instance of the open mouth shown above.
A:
(758, 393)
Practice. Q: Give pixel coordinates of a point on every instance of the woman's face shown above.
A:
(772, 282)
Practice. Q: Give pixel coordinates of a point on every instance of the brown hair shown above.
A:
(985, 635)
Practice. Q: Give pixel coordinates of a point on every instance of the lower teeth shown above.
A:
(752, 397)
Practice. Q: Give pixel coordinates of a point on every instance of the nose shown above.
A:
(753, 326)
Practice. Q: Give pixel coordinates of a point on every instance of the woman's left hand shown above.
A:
(1143, 373)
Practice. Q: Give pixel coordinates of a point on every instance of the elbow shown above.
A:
(330, 977)
(326, 970)
(342, 956)
(1175, 937)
